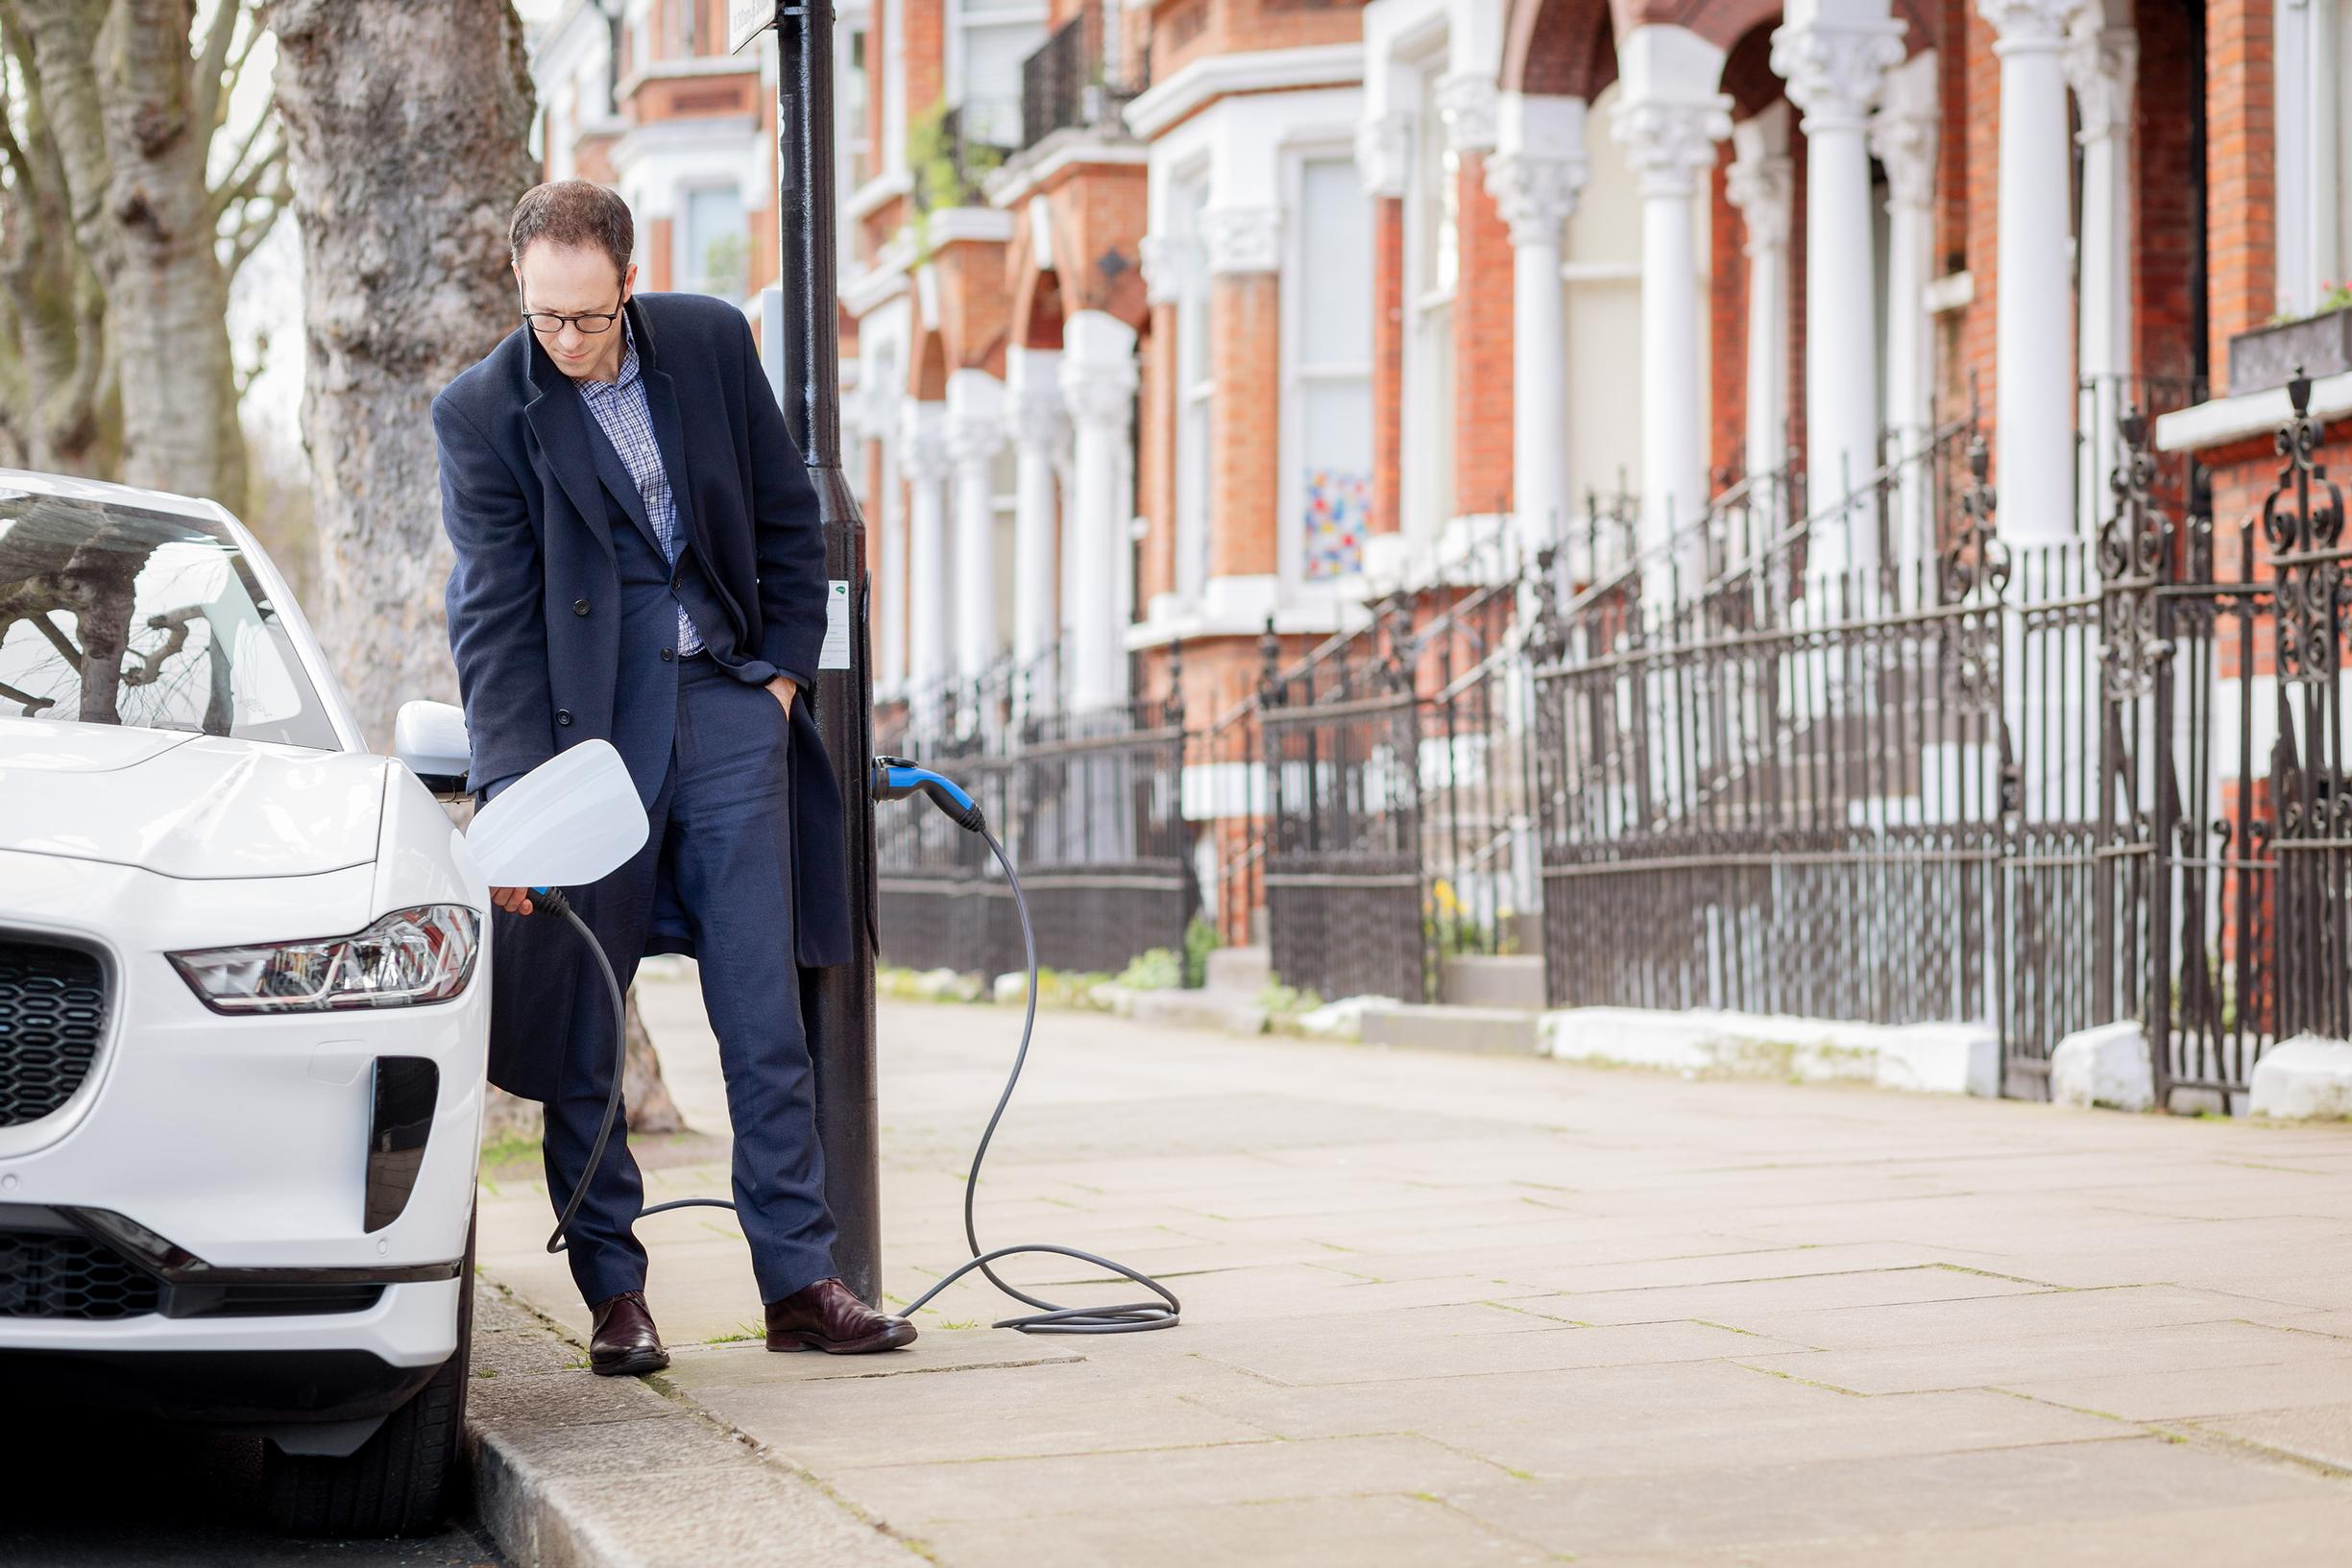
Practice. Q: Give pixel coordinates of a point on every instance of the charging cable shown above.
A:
(894, 778)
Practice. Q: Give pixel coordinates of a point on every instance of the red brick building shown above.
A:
(1587, 249)
(1167, 320)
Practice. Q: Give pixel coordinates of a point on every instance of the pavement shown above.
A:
(1443, 1309)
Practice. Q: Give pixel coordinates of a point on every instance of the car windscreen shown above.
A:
(116, 614)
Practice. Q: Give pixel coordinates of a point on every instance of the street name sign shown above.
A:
(746, 20)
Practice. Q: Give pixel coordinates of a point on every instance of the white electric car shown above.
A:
(243, 1011)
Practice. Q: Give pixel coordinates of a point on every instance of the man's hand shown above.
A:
(514, 901)
(784, 689)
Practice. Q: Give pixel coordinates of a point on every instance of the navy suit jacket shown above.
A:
(534, 602)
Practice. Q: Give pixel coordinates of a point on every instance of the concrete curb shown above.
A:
(572, 1470)
(1935, 1058)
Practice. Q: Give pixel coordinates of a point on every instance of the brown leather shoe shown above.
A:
(624, 1342)
(828, 1316)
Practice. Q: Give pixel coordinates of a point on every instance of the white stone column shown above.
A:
(2101, 65)
(923, 459)
(1761, 183)
(2033, 434)
(1098, 386)
(873, 416)
(1039, 432)
(1904, 136)
(1669, 125)
(1832, 53)
(975, 435)
(1538, 167)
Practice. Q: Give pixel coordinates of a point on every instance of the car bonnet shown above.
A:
(184, 805)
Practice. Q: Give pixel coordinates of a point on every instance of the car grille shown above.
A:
(46, 1274)
(53, 1015)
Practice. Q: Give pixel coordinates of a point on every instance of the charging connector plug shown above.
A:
(895, 779)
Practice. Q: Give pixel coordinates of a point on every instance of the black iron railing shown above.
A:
(1074, 78)
(1087, 803)
(1876, 761)
(2044, 786)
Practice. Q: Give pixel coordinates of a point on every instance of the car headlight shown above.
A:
(410, 956)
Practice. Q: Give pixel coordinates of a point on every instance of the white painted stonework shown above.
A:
(2103, 1066)
(2304, 1079)
(1936, 1058)
(1341, 1019)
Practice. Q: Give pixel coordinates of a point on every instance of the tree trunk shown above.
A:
(132, 113)
(52, 309)
(650, 1107)
(406, 126)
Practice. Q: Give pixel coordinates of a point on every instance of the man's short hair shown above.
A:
(576, 212)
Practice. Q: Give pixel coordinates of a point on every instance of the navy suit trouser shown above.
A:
(719, 854)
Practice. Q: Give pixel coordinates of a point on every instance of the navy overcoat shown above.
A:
(534, 596)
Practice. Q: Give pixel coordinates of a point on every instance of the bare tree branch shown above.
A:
(238, 181)
(236, 65)
(207, 95)
(253, 226)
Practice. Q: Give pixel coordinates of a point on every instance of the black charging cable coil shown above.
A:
(1128, 1317)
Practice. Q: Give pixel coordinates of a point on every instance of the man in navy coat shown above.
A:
(638, 559)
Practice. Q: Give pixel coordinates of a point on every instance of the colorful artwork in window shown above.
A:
(1338, 506)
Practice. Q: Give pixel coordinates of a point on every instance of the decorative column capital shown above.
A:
(2101, 64)
(1466, 104)
(1384, 153)
(1243, 239)
(1834, 68)
(1034, 418)
(922, 441)
(974, 418)
(1037, 423)
(1163, 258)
(869, 411)
(1535, 192)
(2028, 26)
(1763, 187)
(1669, 142)
(1098, 371)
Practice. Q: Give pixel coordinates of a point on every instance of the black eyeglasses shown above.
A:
(547, 323)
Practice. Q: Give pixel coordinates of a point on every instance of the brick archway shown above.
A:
(1563, 47)
(1036, 314)
(1568, 46)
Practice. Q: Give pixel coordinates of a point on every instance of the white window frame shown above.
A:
(681, 276)
(1196, 381)
(960, 14)
(1425, 485)
(1290, 545)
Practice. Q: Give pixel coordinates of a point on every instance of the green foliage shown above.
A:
(928, 984)
(940, 179)
(1158, 969)
(1200, 939)
(1074, 989)
(1286, 1000)
(509, 1148)
(2332, 296)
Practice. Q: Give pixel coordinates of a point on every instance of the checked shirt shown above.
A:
(626, 420)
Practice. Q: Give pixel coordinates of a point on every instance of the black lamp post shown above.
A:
(836, 1003)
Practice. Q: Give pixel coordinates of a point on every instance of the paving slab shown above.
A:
(2112, 1479)
(2310, 1535)
(1307, 1534)
(2319, 1435)
(1444, 1309)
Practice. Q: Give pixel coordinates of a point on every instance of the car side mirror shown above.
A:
(430, 737)
(573, 819)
